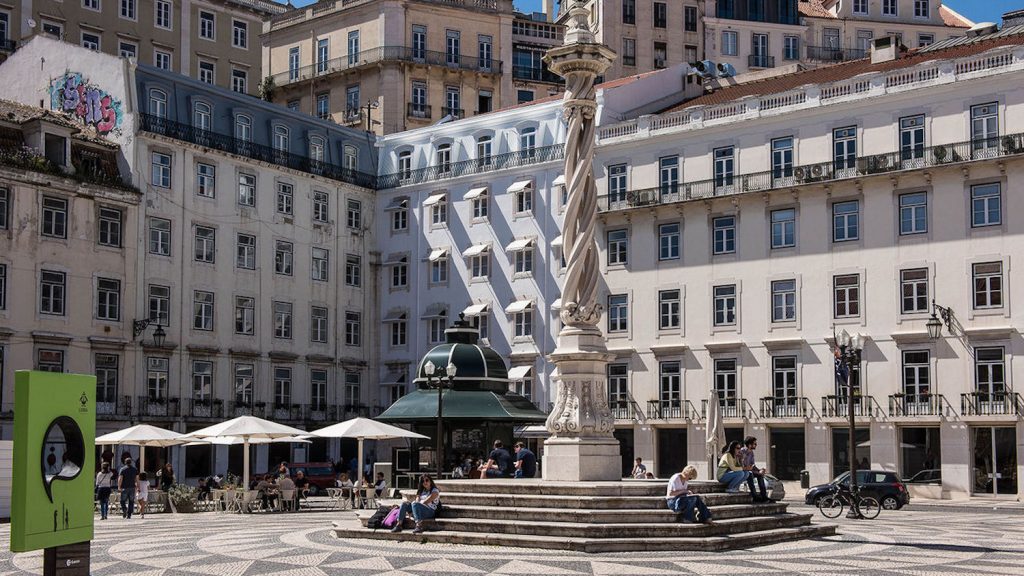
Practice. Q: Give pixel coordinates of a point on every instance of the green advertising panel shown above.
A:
(54, 433)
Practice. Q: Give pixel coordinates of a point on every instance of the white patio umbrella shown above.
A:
(236, 440)
(715, 432)
(364, 429)
(142, 435)
(247, 428)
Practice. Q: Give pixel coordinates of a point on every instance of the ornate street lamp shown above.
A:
(139, 326)
(439, 383)
(944, 317)
(850, 349)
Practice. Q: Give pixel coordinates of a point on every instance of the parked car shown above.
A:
(925, 477)
(320, 475)
(884, 486)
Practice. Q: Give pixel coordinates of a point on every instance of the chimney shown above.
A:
(548, 6)
(885, 49)
(1013, 18)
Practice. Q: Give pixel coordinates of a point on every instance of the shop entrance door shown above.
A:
(995, 460)
(671, 451)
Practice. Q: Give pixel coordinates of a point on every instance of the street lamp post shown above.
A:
(849, 354)
(439, 383)
(139, 326)
(941, 316)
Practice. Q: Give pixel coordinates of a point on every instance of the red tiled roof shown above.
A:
(814, 9)
(844, 71)
(952, 19)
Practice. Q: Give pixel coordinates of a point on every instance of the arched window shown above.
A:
(483, 150)
(316, 149)
(405, 164)
(351, 157)
(528, 142)
(281, 138)
(444, 158)
(243, 128)
(158, 103)
(202, 116)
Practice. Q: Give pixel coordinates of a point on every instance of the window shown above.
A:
(660, 15)
(784, 384)
(323, 106)
(207, 72)
(243, 129)
(353, 328)
(245, 252)
(239, 80)
(162, 59)
(316, 151)
(913, 213)
(791, 47)
(127, 50)
(988, 285)
(986, 205)
(668, 309)
(399, 220)
(484, 50)
(724, 234)
(353, 47)
(318, 388)
(844, 148)
(436, 328)
(281, 143)
(353, 270)
(914, 291)
(156, 377)
(55, 217)
(483, 151)
(50, 360)
(283, 257)
(528, 141)
(523, 96)
(90, 4)
(108, 299)
(207, 27)
(690, 18)
(128, 9)
(670, 384)
(912, 137)
(3, 286)
(725, 305)
(523, 322)
(160, 304)
(925, 40)
(724, 164)
(110, 227)
(439, 213)
(690, 54)
(668, 175)
(660, 54)
(618, 313)
(452, 50)
(444, 158)
(419, 42)
(321, 260)
(480, 206)
(205, 244)
(846, 296)
(5, 203)
(860, 6)
(293, 63)
(524, 201)
(629, 11)
(863, 40)
(617, 183)
(916, 375)
(244, 384)
(161, 170)
(163, 14)
(889, 7)
(202, 310)
(245, 315)
(282, 387)
(846, 221)
(352, 394)
(439, 271)
(618, 247)
(668, 242)
(399, 332)
(90, 41)
(989, 371)
(524, 261)
(353, 213)
(783, 228)
(55, 30)
(239, 34)
(246, 189)
(921, 8)
(282, 320)
(759, 51)
(984, 128)
(317, 324)
(629, 52)
(206, 180)
(730, 43)
(480, 266)
(725, 384)
(285, 198)
(202, 379)
(784, 301)
(106, 377)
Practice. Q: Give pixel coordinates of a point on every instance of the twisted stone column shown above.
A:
(581, 446)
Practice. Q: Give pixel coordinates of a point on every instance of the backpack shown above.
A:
(377, 520)
(392, 518)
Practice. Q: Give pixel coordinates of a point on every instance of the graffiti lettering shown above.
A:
(73, 94)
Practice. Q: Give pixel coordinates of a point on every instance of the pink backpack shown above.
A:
(392, 518)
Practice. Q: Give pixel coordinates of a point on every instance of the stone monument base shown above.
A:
(581, 459)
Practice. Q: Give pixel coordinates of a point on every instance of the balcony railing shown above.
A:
(666, 409)
(829, 54)
(242, 408)
(206, 408)
(158, 406)
(347, 411)
(991, 404)
(919, 405)
(455, 113)
(114, 408)
(352, 116)
(760, 61)
(623, 409)
(232, 145)
(473, 166)
(386, 54)
(731, 408)
(786, 407)
(285, 412)
(319, 412)
(533, 74)
(822, 172)
(837, 406)
(421, 111)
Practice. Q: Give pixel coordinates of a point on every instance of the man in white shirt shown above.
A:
(680, 500)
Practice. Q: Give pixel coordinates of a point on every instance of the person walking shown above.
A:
(748, 461)
(526, 461)
(682, 501)
(104, 478)
(424, 507)
(730, 471)
(127, 477)
(142, 494)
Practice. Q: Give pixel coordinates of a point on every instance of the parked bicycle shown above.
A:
(833, 504)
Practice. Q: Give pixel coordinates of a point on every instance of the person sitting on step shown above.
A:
(748, 461)
(639, 470)
(424, 507)
(731, 472)
(682, 501)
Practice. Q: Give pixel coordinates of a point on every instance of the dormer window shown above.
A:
(55, 149)
(444, 158)
(202, 116)
(158, 103)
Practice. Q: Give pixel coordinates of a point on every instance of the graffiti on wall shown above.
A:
(73, 94)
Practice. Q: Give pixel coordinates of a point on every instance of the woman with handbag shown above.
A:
(103, 479)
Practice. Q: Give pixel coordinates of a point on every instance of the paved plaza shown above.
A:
(302, 544)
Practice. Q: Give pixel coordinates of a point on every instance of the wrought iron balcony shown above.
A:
(761, 61)
(386, 54)
(534, 74)
(455, 113)
(473, 166)
(731, 408)
(919, 405)
(160, 406)
(205, 408)
(623, 409)
(319, 412)
(991, 404)
(224, 143)
(285, 412)
(352, 116)
(838, 406)
(829, 54)
(421, 111)
(243, 408)
(669, 409)
(822, 172)
(115, 408)
(785, 407)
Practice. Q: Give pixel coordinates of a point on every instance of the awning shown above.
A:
(475, 193)
(519, 372)
(398, 204)
(519, 306)
(560, 181)
(434, 198)
(437, 254)
(472, 405)
(557, 241)
(435, 311)
(519, 245)
(476, 309)
(395, 315)
(520, 186)
(395, 259)
(395, 378)
(476, 250)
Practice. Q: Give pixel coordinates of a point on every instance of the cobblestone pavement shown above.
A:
(301, 544)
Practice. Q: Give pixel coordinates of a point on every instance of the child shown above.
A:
(681, 500)
(142, 494)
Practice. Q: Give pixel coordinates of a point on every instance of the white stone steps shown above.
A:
(567, 502)
(624, 488)
(720, 512)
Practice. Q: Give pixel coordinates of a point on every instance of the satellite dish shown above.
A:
(31, 23)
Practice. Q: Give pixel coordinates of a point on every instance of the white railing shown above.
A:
(984, 63)
(725, 111)
(618, 130)
(671, 120)
(911, 77)
(782, 100)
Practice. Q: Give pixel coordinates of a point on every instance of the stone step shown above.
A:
(598, 545)
(535, 486)
(568, 502)
(720, 512)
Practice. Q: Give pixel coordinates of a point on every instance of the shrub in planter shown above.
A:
(183, 497)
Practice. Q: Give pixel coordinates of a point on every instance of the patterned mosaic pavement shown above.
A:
(301, 544)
